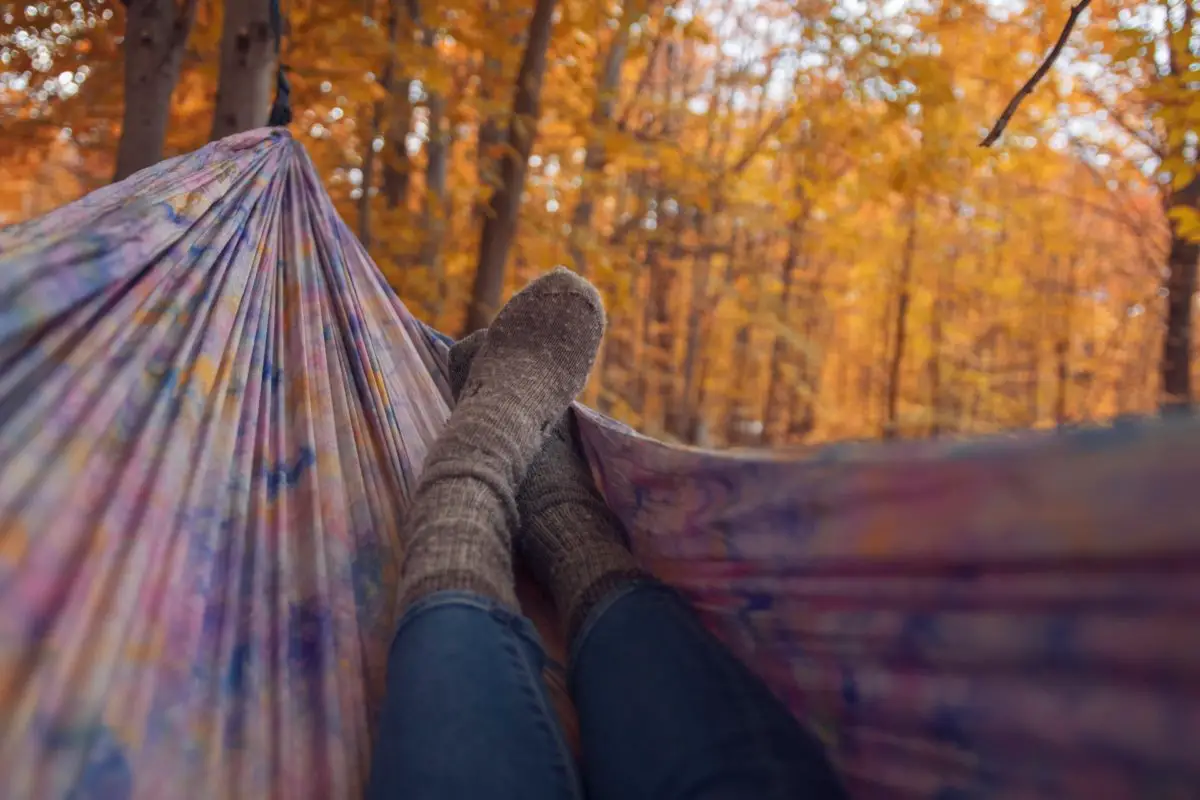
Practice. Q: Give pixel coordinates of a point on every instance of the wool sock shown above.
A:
(572, 542)
(529, 369)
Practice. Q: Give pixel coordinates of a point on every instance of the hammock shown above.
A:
(212, 413)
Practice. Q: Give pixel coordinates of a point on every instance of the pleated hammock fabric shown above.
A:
(212, 414)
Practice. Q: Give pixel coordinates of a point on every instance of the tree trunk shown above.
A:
(984, 308)
(377, 122)
(437, 155)
(436, 212)
(505, 206)
(155, 34)
(491, 76)
(687, 412)
(801, 414)
(397, 163)
(247, 68)
(1062, 348)
(655, 378)
(397, 166)
(935, 370)
(617, 354)
(937, 341)
(489, 174)
(773, 423)
(368, 179)
(595, 156)
(699, 433)
(1180, 286)
(890, 420)
(742, 427)
(650, 383)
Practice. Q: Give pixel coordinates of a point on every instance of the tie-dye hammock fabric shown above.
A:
(212, 414)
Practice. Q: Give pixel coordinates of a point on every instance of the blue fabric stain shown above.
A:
(920, 632)
(306, 627)
(797, 517)
(235, 681)
(437, 335)
(168, 380)
(947, 726)
(173, 216)
(239, 664)
(640, 495)
(1060, 642)
(850, 692)
(851, 711)
(106, 774)
(286, 476)
(216, 611)
(271, 374)
(214, 616)
(757, 601)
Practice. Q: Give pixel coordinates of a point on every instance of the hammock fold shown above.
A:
(213, 411)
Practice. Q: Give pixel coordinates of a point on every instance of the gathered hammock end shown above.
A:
(205, 458)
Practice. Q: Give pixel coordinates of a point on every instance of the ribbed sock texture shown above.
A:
(532, 365)
(572, 542)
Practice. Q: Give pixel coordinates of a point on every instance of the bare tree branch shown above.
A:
(1013, 104)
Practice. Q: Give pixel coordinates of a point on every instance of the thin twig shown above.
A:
(1013, 104)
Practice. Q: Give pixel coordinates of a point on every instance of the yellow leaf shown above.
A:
(1187, 222)
(1131, 50)
(1182, 177)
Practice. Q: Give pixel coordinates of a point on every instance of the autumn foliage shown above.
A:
(785, 204)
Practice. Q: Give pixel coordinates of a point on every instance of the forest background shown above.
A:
(784, 202)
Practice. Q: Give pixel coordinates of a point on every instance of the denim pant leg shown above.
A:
(466, 713)
(666, 711)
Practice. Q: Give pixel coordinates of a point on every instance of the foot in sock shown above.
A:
(571, 541)
(532, 365)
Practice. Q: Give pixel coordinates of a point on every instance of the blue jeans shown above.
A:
(665, 711)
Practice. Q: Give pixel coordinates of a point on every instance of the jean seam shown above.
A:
(547, 718)
(444, 599)
(457, 597)
(594, 616)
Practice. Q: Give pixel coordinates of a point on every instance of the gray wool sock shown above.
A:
(532, 365)
(570, 539)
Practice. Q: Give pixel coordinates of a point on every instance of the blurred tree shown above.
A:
(1149, 95)
(501, 223)
(155, 34)
(247, 71)
(783, 201)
